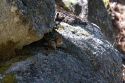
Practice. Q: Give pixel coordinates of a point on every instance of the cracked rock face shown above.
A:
(24, 21)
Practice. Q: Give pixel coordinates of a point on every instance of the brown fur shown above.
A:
(53, 40)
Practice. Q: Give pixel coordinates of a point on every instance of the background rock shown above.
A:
(23, 22)
(78, 7)
(97, 13)
(93, 11)
(118, 20)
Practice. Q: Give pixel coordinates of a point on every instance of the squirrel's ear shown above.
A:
(57, 14)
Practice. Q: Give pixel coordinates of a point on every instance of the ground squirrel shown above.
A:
(52, 40)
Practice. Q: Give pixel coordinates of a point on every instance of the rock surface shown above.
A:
(90, 10)
(85, 57)
(24, 21)
(78, 7)
(97, 13)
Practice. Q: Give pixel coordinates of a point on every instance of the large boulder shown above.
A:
(23, 22)
(85, 57)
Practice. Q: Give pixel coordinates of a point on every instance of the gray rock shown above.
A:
(97, 13)
(24, 21)
(93, 11)
(87, 58)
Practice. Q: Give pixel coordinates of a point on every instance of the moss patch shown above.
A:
(20, 56)
(106, 3)
(5, 65)
(10, 78)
